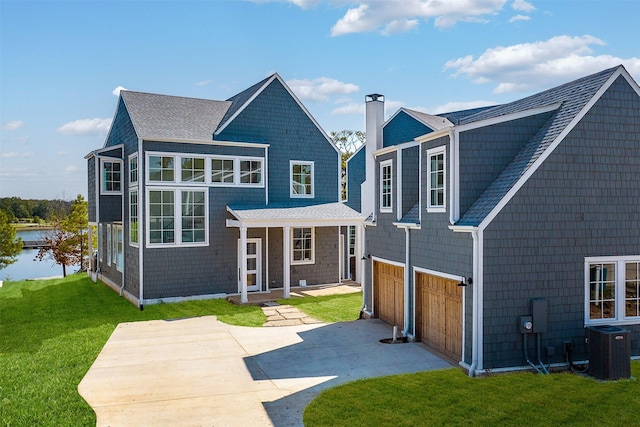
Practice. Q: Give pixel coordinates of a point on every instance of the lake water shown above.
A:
(26, 268)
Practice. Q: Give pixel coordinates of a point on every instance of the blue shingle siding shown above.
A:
(410, 178)
(402, 128)
(356, 174)
(275, 118)
(91, 188)
(581, 202)
(485, 152)
(122, 130)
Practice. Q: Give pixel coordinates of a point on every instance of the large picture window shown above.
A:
(111, 177)
(301, 179)
(386, 186)
(436, 180)
(613, 289)
(302, 246)
(177, 217)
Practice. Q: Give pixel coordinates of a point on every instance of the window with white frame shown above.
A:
(118, 247)
(386, 186)
(222, 170)
(613, 289)
(161, 168)
(177, 217)
(192, 169)
(250, 171)
(100, 243)
(133, 169)
(302, 245)
(436, 180)
(301, 179)
(133, 217)
(111, 177)
(109, 245)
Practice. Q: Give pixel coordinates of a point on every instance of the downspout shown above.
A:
(141, 234)
(360, 230)
(453, 178)
(476, 305)
(407, 277)
(97, 191)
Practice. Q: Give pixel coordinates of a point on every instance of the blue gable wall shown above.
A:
(274, 117)
(355, 177)
(402, 128)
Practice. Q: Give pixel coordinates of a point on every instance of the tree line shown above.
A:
(34, 210)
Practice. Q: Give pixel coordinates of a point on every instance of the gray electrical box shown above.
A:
(609, 352)
(539, 315)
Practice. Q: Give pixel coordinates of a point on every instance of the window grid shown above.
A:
(386, 183)
(632, 289)
(111, 174)
(250, 171)
(436, 182)
(602, 299)
(301, 179)
(133, 169)
(118, 249)
(193, 216)
(161, 168)
(161, 216)
(109, 245)
(302, 251)
(222, 171)
(192, 169)
(133, 217)
(612, 289)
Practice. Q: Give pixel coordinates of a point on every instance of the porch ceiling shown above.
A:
(323, 215)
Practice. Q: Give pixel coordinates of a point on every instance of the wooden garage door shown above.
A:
(388, 294)
(439, 314)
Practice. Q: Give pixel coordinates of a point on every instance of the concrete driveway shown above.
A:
(201, 372)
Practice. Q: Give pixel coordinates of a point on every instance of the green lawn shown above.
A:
(329, 309)
(450, 397)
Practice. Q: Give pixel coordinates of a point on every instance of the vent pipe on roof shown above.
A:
(374, 118)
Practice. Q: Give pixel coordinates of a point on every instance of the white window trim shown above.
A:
(313, 247)
(293, 163)
(131, 157)
(131, 191)
(100, 243)
(102, 190)
(109, 244)
(434, 152)
(177, 170)
(383, 165)
(620, 318)
(177, 214)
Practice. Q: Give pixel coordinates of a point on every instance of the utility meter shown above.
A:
(526, 324)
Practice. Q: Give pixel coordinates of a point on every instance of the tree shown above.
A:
(348, 142)
(66, 244)
(10, 246)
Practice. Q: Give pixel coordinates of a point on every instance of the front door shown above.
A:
(254, 264)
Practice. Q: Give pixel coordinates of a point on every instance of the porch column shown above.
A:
(243, 265)
(286, 256)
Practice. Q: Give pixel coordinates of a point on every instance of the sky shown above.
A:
(63, 63)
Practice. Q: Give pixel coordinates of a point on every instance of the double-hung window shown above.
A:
(301, 179)
(436, 180)
(386, 186)
(161, 168)
(302, 245)
(111, 177)
(133, 169)
(613, 290)
(133, 217)
(118, 247)
(109, 244)
(177, 216)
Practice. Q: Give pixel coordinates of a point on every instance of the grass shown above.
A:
(51, 331)
(329, 309)
(449, 397)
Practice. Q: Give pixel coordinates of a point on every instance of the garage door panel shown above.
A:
(388, 283)
(439, 313)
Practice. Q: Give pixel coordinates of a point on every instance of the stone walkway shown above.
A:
(285, 315)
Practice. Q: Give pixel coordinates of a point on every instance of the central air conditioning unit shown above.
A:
(609, 352)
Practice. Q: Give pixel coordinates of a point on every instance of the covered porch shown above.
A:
(296, 242)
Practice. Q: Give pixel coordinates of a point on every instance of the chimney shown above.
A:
(374, 118)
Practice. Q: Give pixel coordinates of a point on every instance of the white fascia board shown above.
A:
(525, 177)
(409, 225)
(385, 150)
(463, 228)
(105, 149)
(432, 135)
(508, 117)
(294, 223)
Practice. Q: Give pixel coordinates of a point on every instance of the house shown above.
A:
(194, 198)
(478, 218)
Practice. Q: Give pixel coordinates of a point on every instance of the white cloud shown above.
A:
(527, 66)
(320, 89)
(403, 15)
(70, 169)
(303, 4)
(203, 82)
(15, 155)
(523, 6)
(86, 127)
(520, 18)
(117, 90)
(13, 125)
(357, 108)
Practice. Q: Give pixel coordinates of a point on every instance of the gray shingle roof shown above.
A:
(573, 97)
(434, 122)
(413, 216)
(174, 117)
(290, 215)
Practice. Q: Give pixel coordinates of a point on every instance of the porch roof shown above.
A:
(323, 215)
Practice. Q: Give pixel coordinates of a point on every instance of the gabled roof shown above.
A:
(574, 100)
(174, 117)
(429, 120)
(455, 116)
